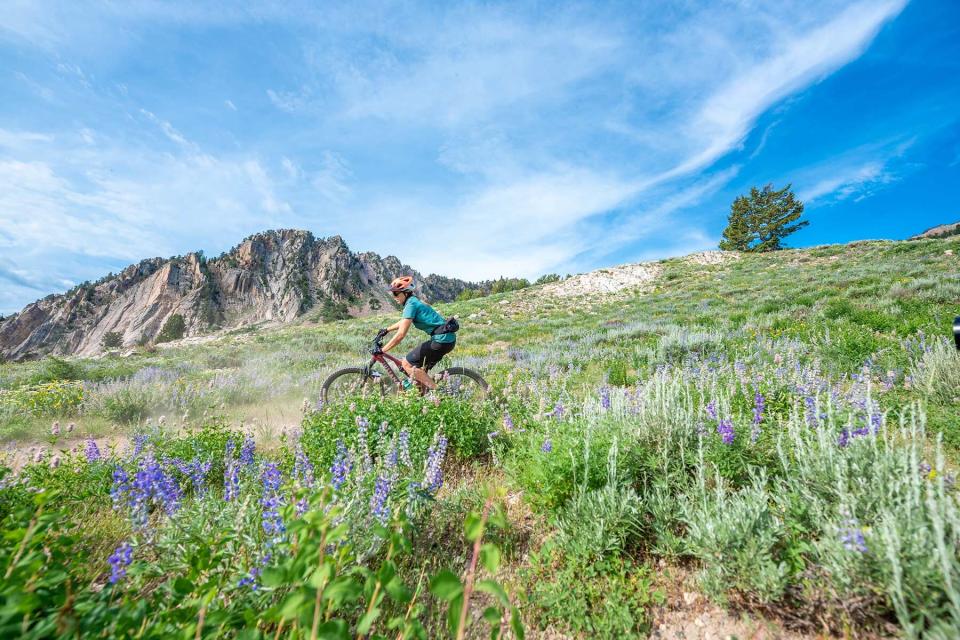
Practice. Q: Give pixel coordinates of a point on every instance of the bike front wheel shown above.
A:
(462, 384)
(351, 382)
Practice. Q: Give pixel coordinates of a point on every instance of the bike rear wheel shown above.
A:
(462, 384)
(351, 382)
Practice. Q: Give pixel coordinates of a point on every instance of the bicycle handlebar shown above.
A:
(378, 342)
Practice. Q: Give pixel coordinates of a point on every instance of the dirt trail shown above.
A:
(688, 615)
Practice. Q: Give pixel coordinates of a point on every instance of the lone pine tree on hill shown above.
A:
(759, 222)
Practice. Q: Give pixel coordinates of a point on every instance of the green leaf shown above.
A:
(490, 557)
(492, 615)
(516, 624)
(182, 586)
(387, 572)
(494, 589)
(342, 590)
(453, 614)
(273, 577)
(398, 591)
(289, 608)
(337, 533)
(497, 518)
(333, 630)
(363, 627)
(473, 527)
(320, 576)
(446, 585)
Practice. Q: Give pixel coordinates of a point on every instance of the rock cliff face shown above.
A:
(940, 231)
(271, 276)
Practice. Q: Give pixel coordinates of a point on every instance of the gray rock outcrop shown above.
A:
(271, 276)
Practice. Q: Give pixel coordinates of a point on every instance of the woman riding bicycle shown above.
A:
(424, 317)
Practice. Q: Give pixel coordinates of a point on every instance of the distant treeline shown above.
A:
(502, 285)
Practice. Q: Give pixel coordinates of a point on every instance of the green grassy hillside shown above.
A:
(782, 428)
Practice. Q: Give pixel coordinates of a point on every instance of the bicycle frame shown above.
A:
(385, 359)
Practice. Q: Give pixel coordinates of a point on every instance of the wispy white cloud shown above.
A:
(168, 129)
(857, 174)
(519, 140)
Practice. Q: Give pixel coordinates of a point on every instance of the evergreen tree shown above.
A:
(173, 329)
(737, 236)
(760, 222)
(111, 340)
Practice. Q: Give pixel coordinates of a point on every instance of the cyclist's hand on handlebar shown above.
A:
(383, 332)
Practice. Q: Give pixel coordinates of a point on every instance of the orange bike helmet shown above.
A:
(403, 283)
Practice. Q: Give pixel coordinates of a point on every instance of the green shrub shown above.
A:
(59, 398)
(465, 425)
(598, 523)
(173, 329)
(54, 369)
(126, 406)
(618, 374)
(605, 598)
(111, 340)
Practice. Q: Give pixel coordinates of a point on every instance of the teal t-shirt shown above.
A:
(426, 319)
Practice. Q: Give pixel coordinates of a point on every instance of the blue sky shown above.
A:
(473, 140)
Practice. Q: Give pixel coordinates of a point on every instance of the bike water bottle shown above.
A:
(406, 384)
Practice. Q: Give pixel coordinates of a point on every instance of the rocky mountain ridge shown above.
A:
(277, 275)
(939, 231)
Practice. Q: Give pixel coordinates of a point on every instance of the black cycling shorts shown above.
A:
(429, 353)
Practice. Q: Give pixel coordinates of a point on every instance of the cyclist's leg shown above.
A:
(436, 352)
(415, 361)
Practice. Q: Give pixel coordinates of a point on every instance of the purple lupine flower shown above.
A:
(404, 446)
(433, 474)
(120, 488)
(119, 561)
(196, 471)
(844, 438)
(605, 398)
(392, 456)
(507, 422)
(271, 501)
(231, 481)
(363, 444)
(378, 501)
(852, 536)
(342, 465)
(547, 446)
(876, 421)
(152, 486)
(725, 429)
(412, 490)
(91, 450)
(557, 410)
(759, 404)
(250, 580)
(139, 441)
(712, 410)
(811, 410)
(302, 468)
(247, 451)
(758, 407)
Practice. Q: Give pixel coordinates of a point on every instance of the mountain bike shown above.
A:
(456, 382)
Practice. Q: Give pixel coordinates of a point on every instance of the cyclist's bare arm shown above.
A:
(401, 327)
